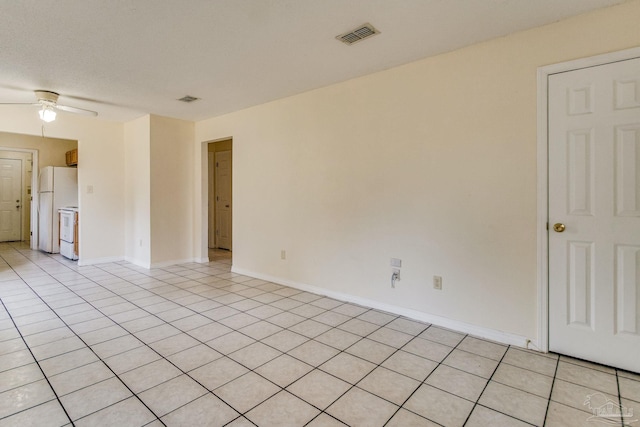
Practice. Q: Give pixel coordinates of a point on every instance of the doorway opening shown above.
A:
(34, 152)
(220, 205)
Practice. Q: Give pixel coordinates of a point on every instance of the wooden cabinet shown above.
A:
(72, 157)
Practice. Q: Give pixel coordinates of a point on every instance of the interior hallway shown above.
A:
(195, 344)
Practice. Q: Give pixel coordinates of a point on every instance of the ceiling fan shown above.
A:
(48, 101)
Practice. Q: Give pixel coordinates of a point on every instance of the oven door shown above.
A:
(66, 226)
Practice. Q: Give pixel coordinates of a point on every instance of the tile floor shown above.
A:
(197, 345)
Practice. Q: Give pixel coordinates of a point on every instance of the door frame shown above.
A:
(542, 343)
(204, 192)
(33, 240)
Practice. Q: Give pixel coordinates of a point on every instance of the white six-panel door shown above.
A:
(10, 199)
(223, 199)
(594, 213)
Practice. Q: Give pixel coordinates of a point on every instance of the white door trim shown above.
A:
(543, 184)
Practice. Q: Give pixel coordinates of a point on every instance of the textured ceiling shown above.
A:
(126, 58)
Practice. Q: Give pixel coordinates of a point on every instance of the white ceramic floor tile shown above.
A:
(319, 388)
(442, 336)
(129, 412)
(483, 348)
(587, 377)
(194, 357)
(439, 406)
(206, 410)
(372, 351)
(150, 375)
(24, 397)
(20, 376)
(94, 398)
(246, 392)
(472, 363)
(282, 410)
(218, 372)
(172, 394)
(523, 379)
(531, 361)
(410, 365)
(457, 382)
(84, 376)
(132, 359)
(254, 355)
(482, 417)
(360, 408)
(284, 370)
(347, 367)
(51, 411)
(389, 385)
(515, 403)
(404, 418)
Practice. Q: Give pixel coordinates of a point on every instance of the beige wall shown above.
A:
(172, 190)
(51, 151)
(433, 162)
(100, 165)
(137, 151)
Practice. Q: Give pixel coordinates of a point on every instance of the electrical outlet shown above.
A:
(437, 282)
(283, 254)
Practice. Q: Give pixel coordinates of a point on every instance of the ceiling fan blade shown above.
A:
(19, 103)
(76, 110)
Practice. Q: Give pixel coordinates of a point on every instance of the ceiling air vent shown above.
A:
(362, 32)
(188, 98)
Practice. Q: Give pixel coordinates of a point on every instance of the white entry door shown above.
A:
(10, 199)
(594, 214)
(223, 199)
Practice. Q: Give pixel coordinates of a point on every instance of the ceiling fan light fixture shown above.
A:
(47, 114)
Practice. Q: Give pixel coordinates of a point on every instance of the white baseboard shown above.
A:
(467, 328)
(104, 260)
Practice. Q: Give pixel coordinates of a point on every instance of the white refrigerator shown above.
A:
(58, 188)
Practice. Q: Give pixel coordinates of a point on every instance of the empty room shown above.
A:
(320, 213)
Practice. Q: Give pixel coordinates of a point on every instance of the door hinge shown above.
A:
(547, 226)
(217, 164)
(217, 232)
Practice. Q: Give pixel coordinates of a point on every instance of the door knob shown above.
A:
(558, 227)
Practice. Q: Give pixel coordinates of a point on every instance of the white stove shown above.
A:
(69, 232)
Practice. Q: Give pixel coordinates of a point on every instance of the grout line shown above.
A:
(553, 384)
